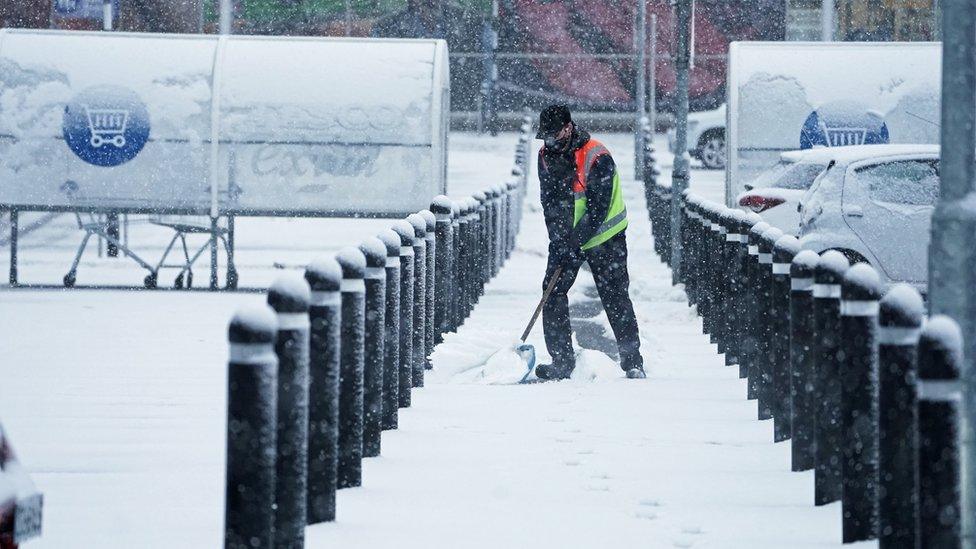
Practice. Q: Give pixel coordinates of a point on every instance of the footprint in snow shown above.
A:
(572, 462)
(683, 543)
(696, 530)
(646, 515)
(601, 476)
(598, 488)
(649, 503)
(564, 440)
(586, 452)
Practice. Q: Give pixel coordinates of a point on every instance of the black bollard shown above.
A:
(745, 293)
(454, 280)
(419, 297)
(826, 351)
(351, 364)
(940, 403)
(479, 263)
(784, 249)
(324, 276)
(373, 344)
(733, 292)
(860, 292)
(461, 270)
(513, 217)
(252, 401)
(750, 340)
(405, 231)
(391, 339)
(766, 359)
(900, 322)
(444, 262)
(431, 272)
(289, 296)
(803, 365)
(720, 279)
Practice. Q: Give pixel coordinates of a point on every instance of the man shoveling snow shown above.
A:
(586, 219)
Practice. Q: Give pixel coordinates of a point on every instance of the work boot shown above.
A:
(636, 373)
(553, 371)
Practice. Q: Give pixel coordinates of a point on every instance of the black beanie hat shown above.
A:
(552, 119)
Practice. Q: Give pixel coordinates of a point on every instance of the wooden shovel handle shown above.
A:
(545, 297)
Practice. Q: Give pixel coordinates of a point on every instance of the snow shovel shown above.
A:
(526, 350)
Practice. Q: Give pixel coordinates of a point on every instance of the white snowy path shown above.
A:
(115, 401)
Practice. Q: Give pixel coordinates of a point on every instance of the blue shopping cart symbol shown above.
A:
(106, 125)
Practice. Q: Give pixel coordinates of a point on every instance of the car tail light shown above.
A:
(760, 203)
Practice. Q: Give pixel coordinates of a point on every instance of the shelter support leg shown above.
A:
(13, 247)
(213, 253)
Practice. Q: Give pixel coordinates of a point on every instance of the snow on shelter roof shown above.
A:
(854, 153)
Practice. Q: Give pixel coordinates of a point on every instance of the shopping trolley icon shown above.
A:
(107, 126)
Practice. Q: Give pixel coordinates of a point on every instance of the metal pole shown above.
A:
(348, 18)
(226, 16)
(107, 15)
(679, 175)
(640, 90)
(827, 20)
(652, 76)
(952, 281)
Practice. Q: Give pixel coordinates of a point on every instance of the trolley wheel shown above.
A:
(232, 279)
(69, 280)
(150, 281)
(189, 279)
(178, 283)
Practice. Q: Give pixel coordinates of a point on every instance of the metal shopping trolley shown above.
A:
(107, 126)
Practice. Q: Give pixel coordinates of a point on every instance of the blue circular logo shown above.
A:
(66, 7)
(106, 125)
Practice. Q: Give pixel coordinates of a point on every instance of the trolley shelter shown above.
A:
(790, 95)
(217, 127)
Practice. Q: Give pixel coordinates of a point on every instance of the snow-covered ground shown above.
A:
(115, 401)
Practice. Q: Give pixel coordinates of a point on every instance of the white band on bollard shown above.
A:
(251, 353)
(939, 390)
(722, 230)
(801, 284)
(731, 237)
(442, 216)
(781, 268)
(430, 237)
(715, 226)
(393, 261)
(421, 243)
(375, 273)
(753, 249)
(325, 299)
(894, 335)
(352, 285)
(406, 251)
(292, 321)
(858, 308)
(826, 290)
(765, 259)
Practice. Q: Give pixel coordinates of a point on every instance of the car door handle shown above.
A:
(854, 211)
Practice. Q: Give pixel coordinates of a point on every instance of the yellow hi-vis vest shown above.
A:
(616, 220)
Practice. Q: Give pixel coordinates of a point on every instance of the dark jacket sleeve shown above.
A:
(599, 192)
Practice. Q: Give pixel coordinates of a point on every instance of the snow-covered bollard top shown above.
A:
(480, 197)
(353, 264)
(391, 240)
(511, 185)
(374, 250)
(733, 223)
(940, 358)
(829, 274)
(860, 291)
(766, 242)
(289, 295)
(324, 276)
(405, 231)
(784, 250)
(431, 220)
(442, 207)
(419, 228)
(254, 327)
(456, 211)
(802, 270)
(900, 316)
(755, 235)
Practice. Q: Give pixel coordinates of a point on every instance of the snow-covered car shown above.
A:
(706, 137)
(874, 204)
(777, 191)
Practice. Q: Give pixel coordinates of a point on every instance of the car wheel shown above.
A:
(711, 150)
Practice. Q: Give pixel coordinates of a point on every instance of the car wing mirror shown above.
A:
(748, 186)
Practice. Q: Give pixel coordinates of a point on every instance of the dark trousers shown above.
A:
(608, 263)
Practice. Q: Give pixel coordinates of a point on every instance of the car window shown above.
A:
(799, 176)
(769, 176)
(914, 182)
